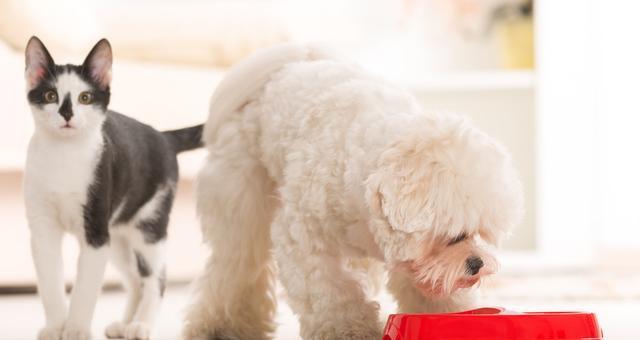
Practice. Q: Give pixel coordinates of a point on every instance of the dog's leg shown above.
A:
(410, 300)
(329, 301)
(234, 297)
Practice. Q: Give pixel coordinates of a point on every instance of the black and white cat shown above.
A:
(103, 177)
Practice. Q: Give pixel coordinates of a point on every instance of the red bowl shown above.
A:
(493, 324)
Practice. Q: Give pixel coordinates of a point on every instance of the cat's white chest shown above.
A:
(58, 177)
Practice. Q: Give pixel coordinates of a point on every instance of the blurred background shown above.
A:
(555, 81)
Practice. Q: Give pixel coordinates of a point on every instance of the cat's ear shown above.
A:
(38, 62)
(97, 65)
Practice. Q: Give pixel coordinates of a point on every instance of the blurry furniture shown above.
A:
(165, 70)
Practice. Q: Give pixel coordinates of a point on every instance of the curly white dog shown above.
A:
(317, 162)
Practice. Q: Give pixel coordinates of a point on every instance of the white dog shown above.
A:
(317, 162)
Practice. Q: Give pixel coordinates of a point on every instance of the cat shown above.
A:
(107, 179)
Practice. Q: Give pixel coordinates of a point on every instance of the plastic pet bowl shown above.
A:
(493, 324)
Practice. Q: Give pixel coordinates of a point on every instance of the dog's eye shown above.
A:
(458, 239)
(50, 96)
(85, 98)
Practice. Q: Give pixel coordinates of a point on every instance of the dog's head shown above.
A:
(440, 197)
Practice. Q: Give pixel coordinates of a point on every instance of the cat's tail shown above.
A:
(245, 79)
(185, 139)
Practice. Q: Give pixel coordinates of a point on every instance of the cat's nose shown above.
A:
(474, 264)
(67, 116)
(66, 109)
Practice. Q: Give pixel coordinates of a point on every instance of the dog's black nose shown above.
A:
(474, 264)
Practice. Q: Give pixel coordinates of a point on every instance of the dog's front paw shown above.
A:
(343, 330)
(115, 330)
(76, 333)
(50, 333)
(137, 331)
(192, 332)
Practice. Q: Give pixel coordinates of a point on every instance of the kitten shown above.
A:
(105, 178)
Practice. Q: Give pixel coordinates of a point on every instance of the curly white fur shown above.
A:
(316, 162)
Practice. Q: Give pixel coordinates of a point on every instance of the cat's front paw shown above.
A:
(115, 330)
(50, 333)
(137, 331)
(76, 333)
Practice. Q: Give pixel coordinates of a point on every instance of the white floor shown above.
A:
(21, 315)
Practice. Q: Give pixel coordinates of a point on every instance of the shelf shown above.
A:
(189, 162)
(11, 161)
(502, 80)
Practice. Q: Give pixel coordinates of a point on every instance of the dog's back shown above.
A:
(248, 77)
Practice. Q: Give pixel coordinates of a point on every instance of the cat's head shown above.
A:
(68, 100)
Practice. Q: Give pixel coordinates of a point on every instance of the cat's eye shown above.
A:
(85, 98)
(50, 96)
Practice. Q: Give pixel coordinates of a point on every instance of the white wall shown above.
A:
(617, 77)
(566, 132)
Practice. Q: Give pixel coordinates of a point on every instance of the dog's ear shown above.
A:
(447, 178)
(426, 186)
(398, 211)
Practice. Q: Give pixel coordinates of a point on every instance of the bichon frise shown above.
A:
(317, 162)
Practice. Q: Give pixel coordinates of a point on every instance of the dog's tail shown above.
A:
(248, 77)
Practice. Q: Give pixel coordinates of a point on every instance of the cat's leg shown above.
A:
(46, 249)
(90, 272)
(150, 264)
(93, 238)
(123, 258)
(411, 300)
